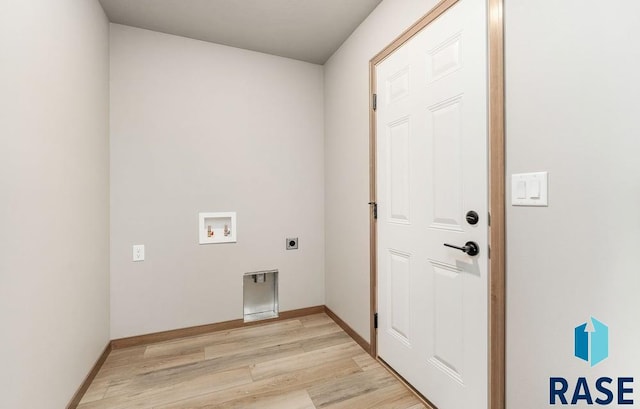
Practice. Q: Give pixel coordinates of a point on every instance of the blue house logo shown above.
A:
(592, 341)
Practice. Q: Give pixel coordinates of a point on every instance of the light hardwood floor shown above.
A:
(302, 363)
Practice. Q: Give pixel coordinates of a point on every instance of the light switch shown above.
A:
(521, 189)
(138, 252)
(529, 189)
(534, 189)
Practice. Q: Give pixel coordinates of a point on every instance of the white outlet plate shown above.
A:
(530, 189)
(138, 252)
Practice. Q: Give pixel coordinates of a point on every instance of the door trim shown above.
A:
(496, 155)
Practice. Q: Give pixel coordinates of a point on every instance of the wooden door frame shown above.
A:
(496, 197)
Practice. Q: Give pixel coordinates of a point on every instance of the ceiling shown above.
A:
(307, 30)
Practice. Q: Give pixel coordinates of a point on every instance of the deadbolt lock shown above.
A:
(472, 217)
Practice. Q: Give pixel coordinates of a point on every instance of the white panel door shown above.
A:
(431, 127)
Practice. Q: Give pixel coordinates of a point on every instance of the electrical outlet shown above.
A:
(292, 243)
(138, 252)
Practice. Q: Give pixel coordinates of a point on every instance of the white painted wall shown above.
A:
(202, 127)
(54, 198)
(572, 109)
(346, 147)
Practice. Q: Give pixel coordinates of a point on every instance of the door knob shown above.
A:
(470, 247)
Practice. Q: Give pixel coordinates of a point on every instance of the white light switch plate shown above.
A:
(138, 252)
(530, 189)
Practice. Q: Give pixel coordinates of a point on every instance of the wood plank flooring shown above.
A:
(303, 363)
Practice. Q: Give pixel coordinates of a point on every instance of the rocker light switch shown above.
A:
(521, 189)
(529, 189)
(534, 189)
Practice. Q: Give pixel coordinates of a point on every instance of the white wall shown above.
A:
(572, 109)
(202, 127)
(54, 198)
(347, 158)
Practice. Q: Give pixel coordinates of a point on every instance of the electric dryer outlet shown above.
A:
(292, 243)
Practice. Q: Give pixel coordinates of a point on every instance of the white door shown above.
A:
(431, 170)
